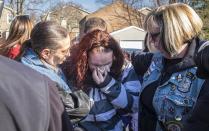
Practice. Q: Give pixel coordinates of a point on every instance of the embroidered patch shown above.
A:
(152, 67)
(179, 77)
(171, 110)
(190, 75)
(173, 126)
(173, 87)
(185, 85)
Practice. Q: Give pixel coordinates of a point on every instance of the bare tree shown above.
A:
(34, 8)
(70, 13)
(190, 2)
(17, 6)
(131, 8)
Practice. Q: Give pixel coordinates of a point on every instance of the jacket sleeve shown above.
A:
(141, 62)
(76, 104)
(125, 93)
(59, 120)
(199, 119)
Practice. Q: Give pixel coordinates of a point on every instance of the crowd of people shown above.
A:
(49, 83)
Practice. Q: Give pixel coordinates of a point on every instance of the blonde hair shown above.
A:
(179, 24)
(20, 30)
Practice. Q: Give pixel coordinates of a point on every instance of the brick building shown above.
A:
(68, 16)
(118, 16)
(5, 21)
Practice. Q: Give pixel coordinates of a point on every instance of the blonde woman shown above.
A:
(170, 87)
(20, 30)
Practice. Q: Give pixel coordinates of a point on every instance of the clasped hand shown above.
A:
(100, 73)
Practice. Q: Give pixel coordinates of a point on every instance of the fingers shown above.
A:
(102, 69)
(100, 75)
(107, 68)
(105, 74)
(95, 76)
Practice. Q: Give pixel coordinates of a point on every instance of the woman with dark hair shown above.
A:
(99, 70)
(19, 32)
(44, 52)
(47, 48)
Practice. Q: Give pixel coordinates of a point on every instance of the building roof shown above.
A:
(145, 10)
(76, 7)
(127, 28)
(131, 33)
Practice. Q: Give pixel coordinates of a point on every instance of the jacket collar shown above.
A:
(35, 59)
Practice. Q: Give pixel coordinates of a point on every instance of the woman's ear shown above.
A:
(45, 54)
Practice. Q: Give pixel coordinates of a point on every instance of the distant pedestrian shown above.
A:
(19, 32)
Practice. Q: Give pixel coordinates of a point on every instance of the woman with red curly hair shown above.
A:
(98, 68)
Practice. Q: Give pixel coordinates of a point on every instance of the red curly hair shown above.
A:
(79, 57)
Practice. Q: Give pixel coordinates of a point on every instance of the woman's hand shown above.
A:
(100, 74)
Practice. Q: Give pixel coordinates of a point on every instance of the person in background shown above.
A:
(100, 71)
(130, 121)
(19, 32)
(95, 23)
(199, 119)
(91, 24)
(170, 86)
(47, 48)
(127, 56)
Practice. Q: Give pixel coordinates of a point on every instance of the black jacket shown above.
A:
(199, 119)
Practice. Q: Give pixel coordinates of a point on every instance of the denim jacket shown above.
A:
(173, 100)
(31, 59)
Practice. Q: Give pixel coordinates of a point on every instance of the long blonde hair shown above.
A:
(179, 24)
(20, 30)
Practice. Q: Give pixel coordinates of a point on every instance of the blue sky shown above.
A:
(89, 5)
(92, 5)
